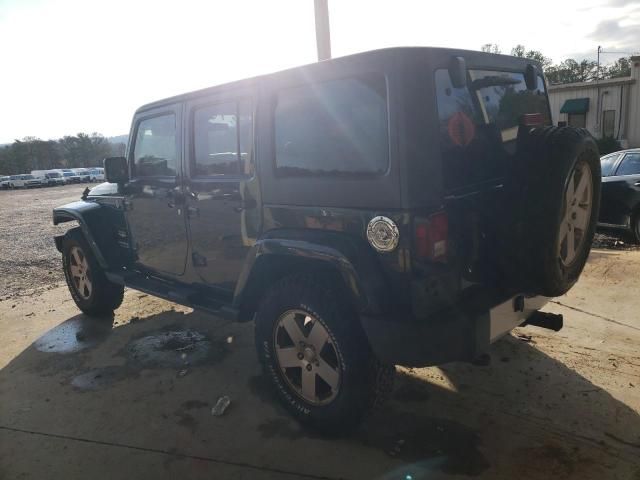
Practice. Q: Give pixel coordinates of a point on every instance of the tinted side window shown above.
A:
(155, 148)
(223, 139)
(607, 163)
(338, 127)
(630, 165)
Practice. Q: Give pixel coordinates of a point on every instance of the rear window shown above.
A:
(335, 128)
(479, 122)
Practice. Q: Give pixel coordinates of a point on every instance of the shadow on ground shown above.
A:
(150, 385)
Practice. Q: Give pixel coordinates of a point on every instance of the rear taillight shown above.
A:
(431, 236)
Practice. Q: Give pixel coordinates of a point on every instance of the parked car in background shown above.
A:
(96, 175)
(70, 177)
(53, 178)
(24, 181)
(4, 182)
(620, 204)
(83, 173)
(48, 178)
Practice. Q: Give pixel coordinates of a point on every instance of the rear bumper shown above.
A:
(452, 335)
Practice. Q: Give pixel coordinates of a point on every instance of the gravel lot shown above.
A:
(29, 261)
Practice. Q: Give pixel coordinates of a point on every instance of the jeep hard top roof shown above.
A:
(436, 56)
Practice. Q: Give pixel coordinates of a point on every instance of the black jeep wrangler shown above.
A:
(403, 206)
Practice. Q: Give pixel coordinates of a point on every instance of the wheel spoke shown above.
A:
(75, 270)
(328, 374)
(88, 286)
(318, 336)
(309, 384)
(74, 257)
(571, 239)
(288, 357)
(291, 327)
(581, 189)
(570, 194)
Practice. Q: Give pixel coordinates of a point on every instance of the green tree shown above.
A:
(619, 68)
(570, 71)
(522, 52)
(491, 48)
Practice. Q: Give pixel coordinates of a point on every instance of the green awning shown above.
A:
(575, 105)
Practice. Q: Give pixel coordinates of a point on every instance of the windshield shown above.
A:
(53, 175)
(68, 174)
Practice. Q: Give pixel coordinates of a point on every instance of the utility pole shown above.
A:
(323, 36)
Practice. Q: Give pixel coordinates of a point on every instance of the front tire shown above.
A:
(316, 355)
(90, 289)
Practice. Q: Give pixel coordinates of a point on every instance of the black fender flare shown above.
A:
(355, 262)
(84, 213)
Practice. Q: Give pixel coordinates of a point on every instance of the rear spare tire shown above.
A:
(559, 207)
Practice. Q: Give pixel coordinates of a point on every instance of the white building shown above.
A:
(605, 107)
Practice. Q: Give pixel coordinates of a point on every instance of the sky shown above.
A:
(70, 66)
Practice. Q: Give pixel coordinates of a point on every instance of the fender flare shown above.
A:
(80, 211)
(355, 263)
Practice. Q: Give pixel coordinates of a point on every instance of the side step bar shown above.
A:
(551, 321)
(189, 297)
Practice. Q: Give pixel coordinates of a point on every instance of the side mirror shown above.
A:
(530, 77)
(116, 170)
(458, 72)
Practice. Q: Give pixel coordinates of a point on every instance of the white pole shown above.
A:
(323, 36)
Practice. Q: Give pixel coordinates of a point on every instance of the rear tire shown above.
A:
(315, 354)
(90, 289)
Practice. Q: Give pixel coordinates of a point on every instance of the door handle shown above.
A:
(637, 184)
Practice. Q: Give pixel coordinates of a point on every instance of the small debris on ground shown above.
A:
(183, 372)
(524, 338)
(221, 405)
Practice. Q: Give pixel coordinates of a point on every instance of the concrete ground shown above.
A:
(133, 398)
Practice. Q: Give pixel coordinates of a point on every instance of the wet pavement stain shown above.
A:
(435, 444)
(262, 389)
(101, 377)
(76, 334)
(284, 428)
(175, 349)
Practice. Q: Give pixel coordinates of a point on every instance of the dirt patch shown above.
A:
(101, 377)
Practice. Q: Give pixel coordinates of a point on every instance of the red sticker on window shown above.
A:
(461, 129)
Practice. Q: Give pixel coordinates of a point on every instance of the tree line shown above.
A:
(72, 151)
(569, 70)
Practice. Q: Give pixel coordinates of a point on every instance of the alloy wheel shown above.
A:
(578, 202)
(307, 357)
(80, 272)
